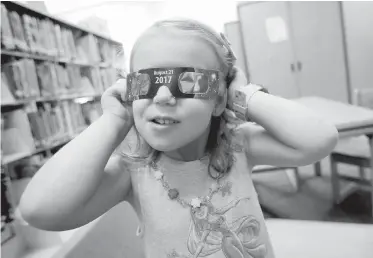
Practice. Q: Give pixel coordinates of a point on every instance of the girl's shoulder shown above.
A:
(130, 154)
(130, 162)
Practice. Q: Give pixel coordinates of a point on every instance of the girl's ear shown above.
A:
(221, 102)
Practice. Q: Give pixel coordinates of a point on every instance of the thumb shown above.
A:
(118, 89)
(238, 81)
(230, 117)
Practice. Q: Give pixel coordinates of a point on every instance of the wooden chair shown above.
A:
(292, 173)
(352, 151)
(293, 177)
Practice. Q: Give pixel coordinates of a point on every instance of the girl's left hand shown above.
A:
(238, 81)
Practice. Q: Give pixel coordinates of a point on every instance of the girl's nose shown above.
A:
(164, 96)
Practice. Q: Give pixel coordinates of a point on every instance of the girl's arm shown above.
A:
(289, 134)
(79, 183)
(286, 133)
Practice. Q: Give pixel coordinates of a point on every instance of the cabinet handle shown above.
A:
(299, 66)
(292, 67)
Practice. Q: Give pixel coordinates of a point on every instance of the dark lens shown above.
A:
(134, 88)
(143, 82)
(140, 84)
(202, 83)
(192, 82)
(186, 82)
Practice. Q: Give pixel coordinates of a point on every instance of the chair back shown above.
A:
(363, 97)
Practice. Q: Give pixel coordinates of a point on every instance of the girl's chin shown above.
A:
(163, 146)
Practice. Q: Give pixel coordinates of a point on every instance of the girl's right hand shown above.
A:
(112, 101)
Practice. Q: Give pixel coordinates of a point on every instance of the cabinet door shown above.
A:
(268, 46)
(358, 20)
(319, 48)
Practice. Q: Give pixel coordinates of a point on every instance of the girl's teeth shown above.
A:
(167, 122)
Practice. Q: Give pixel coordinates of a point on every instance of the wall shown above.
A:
(358, 18)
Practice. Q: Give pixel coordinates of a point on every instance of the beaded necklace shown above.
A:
(196, 202)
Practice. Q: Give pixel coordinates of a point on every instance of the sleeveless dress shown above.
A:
(230, 225)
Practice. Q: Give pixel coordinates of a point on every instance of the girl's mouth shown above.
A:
(164, 121)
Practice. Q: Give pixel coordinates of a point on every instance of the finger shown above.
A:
(119, 85)
(230, 117)
(118, 89)
(230, 113)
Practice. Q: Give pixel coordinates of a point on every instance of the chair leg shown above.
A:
(334, 181)
(370, 136)
(317, 167)
(362, 172)
(293, 177)
(296, 173)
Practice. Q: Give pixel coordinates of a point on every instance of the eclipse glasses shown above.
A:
(183, 82)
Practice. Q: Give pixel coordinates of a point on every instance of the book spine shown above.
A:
(17, 28)
(6, 30)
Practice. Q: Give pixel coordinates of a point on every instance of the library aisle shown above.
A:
(52, 76)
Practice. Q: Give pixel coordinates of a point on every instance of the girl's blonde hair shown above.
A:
(218, 144)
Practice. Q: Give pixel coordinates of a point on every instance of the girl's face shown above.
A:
(166, 123)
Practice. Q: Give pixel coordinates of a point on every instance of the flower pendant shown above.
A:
(158, 175)
(195, 202)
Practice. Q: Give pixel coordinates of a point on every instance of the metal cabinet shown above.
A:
(296, 48)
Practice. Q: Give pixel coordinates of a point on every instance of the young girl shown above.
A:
(189, 177)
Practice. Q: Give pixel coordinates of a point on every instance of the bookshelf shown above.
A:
(46, 99)
(53, 74)
(14, 53)
(18, 156)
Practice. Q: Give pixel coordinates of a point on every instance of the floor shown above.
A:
(312, 200)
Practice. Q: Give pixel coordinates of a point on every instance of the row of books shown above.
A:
(27, 79)
(27, 168)
(46, 37)
(98, 79)
(53, 122)
(45, 125)
(111, 54)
